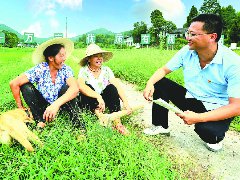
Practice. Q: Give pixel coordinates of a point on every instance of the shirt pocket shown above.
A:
(216, 87)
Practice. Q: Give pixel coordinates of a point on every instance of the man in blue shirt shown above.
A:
(210, 98)
(55, 87)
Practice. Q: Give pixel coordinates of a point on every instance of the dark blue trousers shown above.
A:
(210, 132)
(38, 104)
(110, 96)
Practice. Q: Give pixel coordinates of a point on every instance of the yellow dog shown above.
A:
(12, 125)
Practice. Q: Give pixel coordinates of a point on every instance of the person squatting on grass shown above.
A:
(103, 88)
(211, 97)
(56, 86)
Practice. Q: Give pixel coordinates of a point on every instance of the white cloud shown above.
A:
(173, 10)
(50, 11)
(49, 7)
(35, 28)
(73, 4)
(54, 23)
(40, 6)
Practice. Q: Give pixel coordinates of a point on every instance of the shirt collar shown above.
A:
(217, 58)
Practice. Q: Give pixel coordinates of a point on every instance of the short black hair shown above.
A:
(52, 50)
(212, 23)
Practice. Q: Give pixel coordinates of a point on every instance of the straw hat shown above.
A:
(38, 57)
(95, 49)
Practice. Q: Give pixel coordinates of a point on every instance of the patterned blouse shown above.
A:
(40, 74)
(100, 83)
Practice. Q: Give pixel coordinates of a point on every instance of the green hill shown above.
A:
(100, 31)
(41, 40)
(96, 31)
(20, 36)
(6, 28)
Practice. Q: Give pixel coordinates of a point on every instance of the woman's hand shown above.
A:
(51, 112)
(101, 104)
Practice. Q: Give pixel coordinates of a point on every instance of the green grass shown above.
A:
(105, 154)
(236, 122)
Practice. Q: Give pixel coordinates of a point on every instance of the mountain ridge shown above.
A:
(40, 40)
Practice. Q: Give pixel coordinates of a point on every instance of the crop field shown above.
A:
(104, 154)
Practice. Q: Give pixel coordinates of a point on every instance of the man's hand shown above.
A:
(148, 92)
(50, 112)
(190, 117)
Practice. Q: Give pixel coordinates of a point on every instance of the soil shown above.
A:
(185, 145)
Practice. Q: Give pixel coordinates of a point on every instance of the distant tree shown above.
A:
(192, 14)
(158, 24)
(100, 38)
(139, 28)
(169, 26)
(234, 34)
(128, 33)
(79, 44)
(11, 39)
(210, 6)
(228, 14)
(104, 39)
(83, 38)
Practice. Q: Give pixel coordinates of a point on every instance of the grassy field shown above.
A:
(105, 154)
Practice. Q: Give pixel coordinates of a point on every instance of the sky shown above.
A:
(46, 17)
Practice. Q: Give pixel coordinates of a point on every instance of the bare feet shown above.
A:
(121, 129)
(41, 124)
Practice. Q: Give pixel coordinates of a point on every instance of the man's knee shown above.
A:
(209, 134)
(160, 88)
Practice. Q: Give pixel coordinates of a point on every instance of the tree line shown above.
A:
(161, 27)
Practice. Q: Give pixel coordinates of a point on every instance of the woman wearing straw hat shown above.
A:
(102, 88)
(55, 84)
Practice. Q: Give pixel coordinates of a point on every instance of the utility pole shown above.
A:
(66, 27)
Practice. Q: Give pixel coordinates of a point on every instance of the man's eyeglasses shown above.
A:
(189, 35)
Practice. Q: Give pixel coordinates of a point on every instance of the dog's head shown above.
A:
(25, 115)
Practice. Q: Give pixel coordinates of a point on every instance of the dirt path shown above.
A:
(185, 143)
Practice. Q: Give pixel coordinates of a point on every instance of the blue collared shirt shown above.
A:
(216, 82)
(40, 74)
